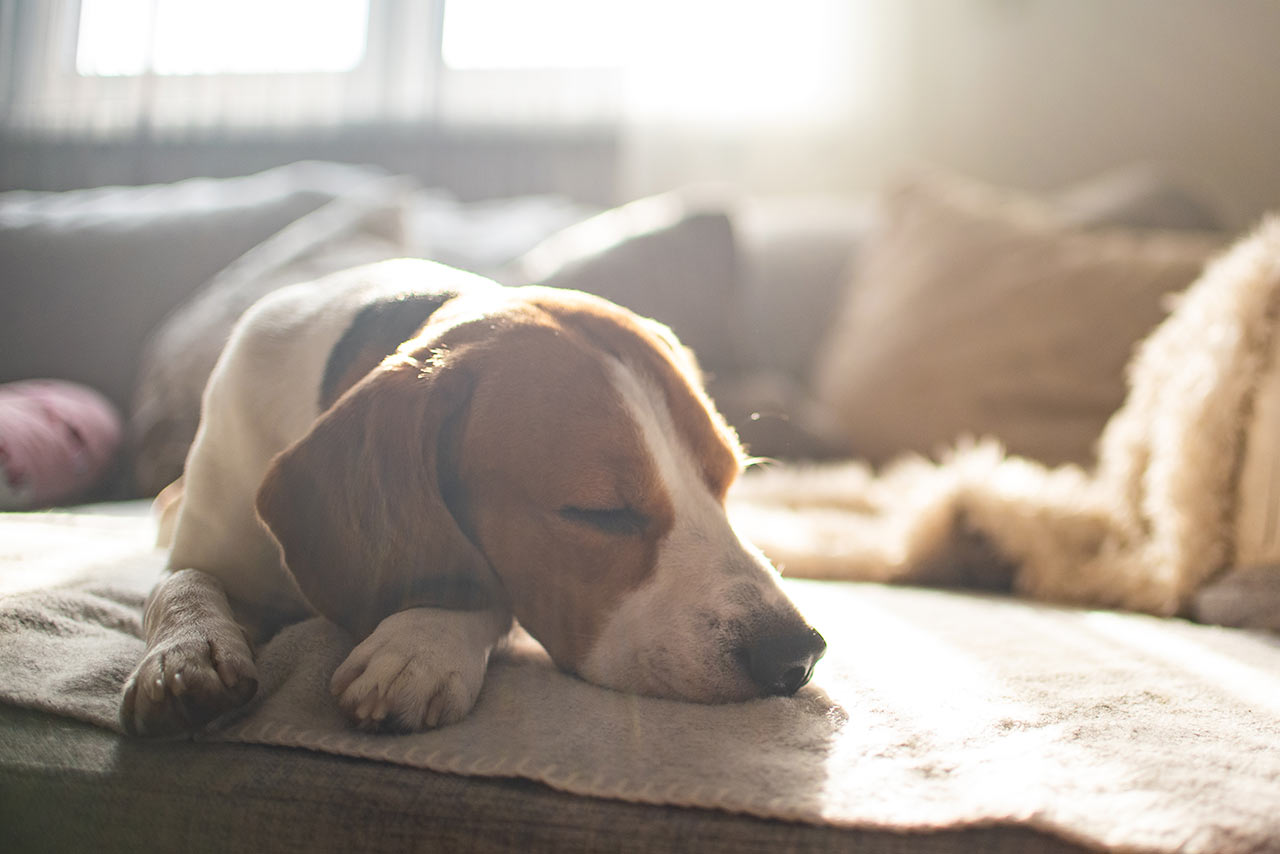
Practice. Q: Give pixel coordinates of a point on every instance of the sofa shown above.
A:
(831, 329)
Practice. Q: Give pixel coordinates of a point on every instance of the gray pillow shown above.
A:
(668, 257)
(86, 274)
(363, 227)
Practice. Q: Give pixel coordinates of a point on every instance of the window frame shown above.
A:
(401, 80)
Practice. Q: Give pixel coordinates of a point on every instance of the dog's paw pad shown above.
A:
(398, 691)
(184, 682)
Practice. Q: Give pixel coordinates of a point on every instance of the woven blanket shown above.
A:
(931, 710)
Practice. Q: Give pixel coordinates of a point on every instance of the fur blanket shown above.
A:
(1154, 527)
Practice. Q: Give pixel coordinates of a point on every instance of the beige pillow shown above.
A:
(975, 311)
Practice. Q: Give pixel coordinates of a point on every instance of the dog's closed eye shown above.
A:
(621, 521)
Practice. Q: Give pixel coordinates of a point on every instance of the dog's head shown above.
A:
(551, 453)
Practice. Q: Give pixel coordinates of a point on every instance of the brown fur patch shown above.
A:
(547, 432)
(444, 474)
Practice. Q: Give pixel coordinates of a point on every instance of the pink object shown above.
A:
(56, 440)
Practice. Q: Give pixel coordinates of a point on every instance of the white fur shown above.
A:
(419, 668)
(1258, 516)
(660, 640)
(264, 394)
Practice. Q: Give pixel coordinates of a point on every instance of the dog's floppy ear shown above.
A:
(357, 507)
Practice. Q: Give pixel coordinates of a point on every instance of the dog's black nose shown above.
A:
(781, 663)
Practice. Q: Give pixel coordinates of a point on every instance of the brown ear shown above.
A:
(356, 503)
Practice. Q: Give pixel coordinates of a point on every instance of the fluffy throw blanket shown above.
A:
(1183, 494)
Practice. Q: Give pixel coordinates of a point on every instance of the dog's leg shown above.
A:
(420, 668)
(198, 663)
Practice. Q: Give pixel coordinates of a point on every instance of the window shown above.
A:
(101, 68)
(157, 67)
(176, 37)
(533, 34)
(184, 37)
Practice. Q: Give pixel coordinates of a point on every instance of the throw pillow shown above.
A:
(87, 273)
(975, 311)
(363, 227)
(57, 441)
(668, 257)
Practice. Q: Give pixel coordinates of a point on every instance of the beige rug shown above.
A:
(931, 710)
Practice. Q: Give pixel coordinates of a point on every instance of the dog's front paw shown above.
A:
(188, 679)
(419, 669)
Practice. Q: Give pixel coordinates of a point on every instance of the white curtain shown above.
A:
(796, 96)
(719, 68)
(751, 91)
(43, 94)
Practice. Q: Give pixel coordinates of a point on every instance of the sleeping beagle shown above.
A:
(421, 455)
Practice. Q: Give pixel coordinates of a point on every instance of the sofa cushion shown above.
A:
(1139, 195)
(88, 273)
(793, 254)
(984, 312)
(670, 257)
(365, 226)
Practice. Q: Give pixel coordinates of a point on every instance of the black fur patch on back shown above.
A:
(380, 328)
